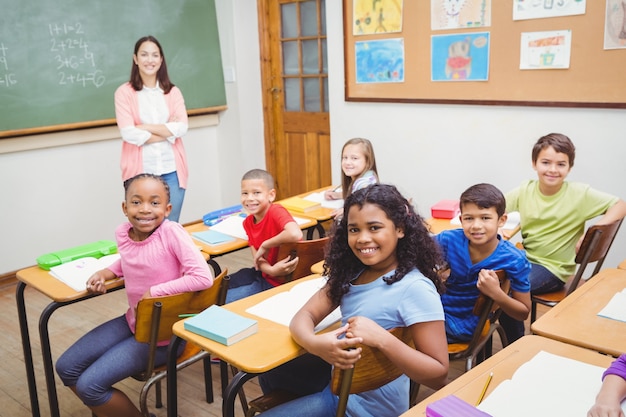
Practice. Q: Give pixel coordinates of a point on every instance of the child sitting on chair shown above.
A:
(473, 253)
(268, 225)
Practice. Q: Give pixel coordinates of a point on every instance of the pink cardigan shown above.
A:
(127, 114)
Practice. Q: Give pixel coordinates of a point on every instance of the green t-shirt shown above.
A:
(552, 225)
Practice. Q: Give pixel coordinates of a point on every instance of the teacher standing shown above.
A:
(151, 115)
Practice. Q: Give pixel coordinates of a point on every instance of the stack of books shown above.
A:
(299, 205)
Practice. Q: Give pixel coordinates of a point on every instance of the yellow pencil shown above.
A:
(482, 394)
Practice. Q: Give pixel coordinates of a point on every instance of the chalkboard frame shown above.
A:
(507, 84)
(187, 30)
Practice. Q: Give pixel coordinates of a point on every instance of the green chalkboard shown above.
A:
(61, 60)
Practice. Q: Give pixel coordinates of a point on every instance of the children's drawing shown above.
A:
(460, 57)
(453, 14)
(376, 16)
(537, 9)
(615, 24)
(546, 50)
(380, 61)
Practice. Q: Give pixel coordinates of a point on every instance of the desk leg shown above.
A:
(235, 385)
(26, 347)
(47, 357)
(311, 230)
(172, 380)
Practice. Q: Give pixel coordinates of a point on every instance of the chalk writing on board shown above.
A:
(7, 78)
(72, 58)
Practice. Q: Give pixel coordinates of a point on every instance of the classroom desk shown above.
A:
(214, 250)
(270, 347)
(321, 214)
(503, 365)
(622, 264)
(575, 320)
(439, 225)
(61, 295)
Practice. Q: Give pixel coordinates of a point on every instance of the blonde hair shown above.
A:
(370, 163)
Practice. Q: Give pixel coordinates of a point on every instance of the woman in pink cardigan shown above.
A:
(151, 115)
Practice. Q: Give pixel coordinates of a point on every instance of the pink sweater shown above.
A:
(127, 114)
(167, 262)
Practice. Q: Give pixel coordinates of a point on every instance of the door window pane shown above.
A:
(310, 63)
(325, 80)
(324, 61)
(289, 18)
(290, 58)
(292, 94)
(323, 18)
(312, 94)
(308, 17)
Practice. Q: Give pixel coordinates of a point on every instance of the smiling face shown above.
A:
(256, 197)
(480, 225)
(353, 160)
(552, 168)
(146, 206)
(148, 59)
(373, 237)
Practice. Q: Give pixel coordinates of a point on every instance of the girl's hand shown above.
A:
(332, 195)
(341, 352)
(95, 283)
(488, 283)
(370, 332)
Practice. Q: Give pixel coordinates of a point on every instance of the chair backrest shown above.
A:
(594, 248)
(157, 315)
(309, 252)
(372, 371)
(486, 309)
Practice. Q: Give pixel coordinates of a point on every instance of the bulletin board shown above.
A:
(61, 60)
(596, 77)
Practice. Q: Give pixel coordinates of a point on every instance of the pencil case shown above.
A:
(208, 218)
(96, 249)
(453, 406)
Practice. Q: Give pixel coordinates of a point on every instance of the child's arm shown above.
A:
(608, 400)
(426, 364)
(328, 346)
(517, 305)
(616, 212)
(290, 233)
(95, 283)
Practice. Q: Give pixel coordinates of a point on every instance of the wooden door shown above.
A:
(295, 100)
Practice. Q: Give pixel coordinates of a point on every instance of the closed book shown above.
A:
(299, 204)
(221, 325)
(212, 237)
(453, 406)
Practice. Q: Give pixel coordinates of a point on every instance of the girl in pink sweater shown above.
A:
(157, 257)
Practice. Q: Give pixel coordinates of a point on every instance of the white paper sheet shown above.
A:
(319, 198)
(616, 308)
(546, 386)
(233, 226)
(281, 308)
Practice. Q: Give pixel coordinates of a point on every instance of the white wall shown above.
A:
(63, 196)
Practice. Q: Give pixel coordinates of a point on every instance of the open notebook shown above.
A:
(281, 308)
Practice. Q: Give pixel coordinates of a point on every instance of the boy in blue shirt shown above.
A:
(473, 254)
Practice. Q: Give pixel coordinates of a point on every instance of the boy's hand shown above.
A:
(258, 257)
(282, 267)
(488, 283)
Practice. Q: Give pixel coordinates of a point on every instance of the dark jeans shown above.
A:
(307, 374)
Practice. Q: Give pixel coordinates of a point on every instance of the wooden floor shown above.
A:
(70, 322)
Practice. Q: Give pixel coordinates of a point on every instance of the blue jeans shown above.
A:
(246, 282)
(102, 357)
(542, 280)
(177, 195)
(321, 404)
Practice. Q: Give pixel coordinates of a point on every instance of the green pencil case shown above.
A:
(96, 249)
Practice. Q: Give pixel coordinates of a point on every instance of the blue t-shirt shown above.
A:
(461, 291)
(413, 299)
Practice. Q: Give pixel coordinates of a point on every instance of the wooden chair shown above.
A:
(309, 252)
(480, 344)
(372, 371)
(594, 248)
(155, 318)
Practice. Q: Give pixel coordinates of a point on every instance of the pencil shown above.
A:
(182, 316)
(482, 394)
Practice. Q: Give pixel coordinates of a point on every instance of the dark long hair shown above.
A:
(162, 77)
(416, 249)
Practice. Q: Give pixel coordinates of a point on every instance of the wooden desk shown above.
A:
(321, 214)
(503, 364)
(270, 347)
(61, 295)
(622, 265)
(318, 268)
(575, 320)
(439, 225)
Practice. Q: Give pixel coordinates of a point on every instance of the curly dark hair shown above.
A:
(416, 249)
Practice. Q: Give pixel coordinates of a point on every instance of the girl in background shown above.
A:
(157, 258)
(151, 115)
(358, 168)
(381, 268)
